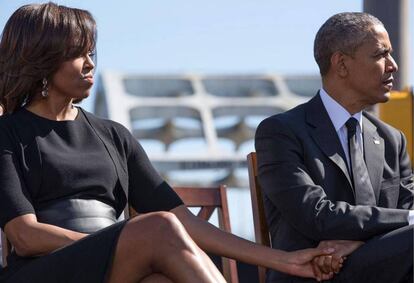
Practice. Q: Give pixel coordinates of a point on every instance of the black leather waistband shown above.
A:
(81, 215)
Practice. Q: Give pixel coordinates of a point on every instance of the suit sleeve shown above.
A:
(406, 196)
(288, 184)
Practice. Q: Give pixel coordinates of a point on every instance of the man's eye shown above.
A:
(382, 55)
(91, 53)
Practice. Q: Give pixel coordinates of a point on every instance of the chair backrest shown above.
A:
(261, 231)
(209, 199)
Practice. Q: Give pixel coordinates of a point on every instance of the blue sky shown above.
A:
(177, 36)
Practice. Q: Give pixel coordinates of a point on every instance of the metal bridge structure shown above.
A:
(198, 129)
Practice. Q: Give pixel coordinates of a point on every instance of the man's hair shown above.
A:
(36, 40)
(343, 32)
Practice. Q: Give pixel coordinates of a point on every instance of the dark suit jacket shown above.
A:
(307, 187)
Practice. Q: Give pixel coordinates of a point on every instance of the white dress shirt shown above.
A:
(339, 115)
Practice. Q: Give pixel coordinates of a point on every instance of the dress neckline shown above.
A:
(38, 117)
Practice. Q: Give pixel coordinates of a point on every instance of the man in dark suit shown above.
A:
(335, 175)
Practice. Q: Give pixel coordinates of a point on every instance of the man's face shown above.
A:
(371, 68)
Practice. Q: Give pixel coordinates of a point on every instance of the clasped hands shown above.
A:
(325, 266)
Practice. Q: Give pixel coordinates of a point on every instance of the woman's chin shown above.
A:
(80, 98)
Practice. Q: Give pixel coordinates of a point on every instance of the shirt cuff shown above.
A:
(411, 217)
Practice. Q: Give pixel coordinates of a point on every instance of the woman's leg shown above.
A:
(158, 243)
(156, 278)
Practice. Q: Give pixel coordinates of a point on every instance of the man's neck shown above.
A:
(345, 97)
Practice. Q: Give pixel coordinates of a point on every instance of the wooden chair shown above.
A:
(261, 231)
(5, 247)
(208, 199)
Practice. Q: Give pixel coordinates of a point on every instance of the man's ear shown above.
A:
(338, 64)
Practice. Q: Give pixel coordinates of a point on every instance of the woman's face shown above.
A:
(73, 79)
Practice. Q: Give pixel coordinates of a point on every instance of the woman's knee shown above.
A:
(157, 225)
(144, 235)
(166, 221)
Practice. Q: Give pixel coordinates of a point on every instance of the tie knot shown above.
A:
(351, 125)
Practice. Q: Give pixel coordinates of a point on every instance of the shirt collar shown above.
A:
(338, 114)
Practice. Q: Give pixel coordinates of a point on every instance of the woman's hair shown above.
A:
(36, 40)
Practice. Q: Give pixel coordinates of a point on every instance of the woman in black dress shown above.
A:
(66, 175)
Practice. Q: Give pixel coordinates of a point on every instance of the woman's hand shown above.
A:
(300, 263)
(333, 263)
(327, 264)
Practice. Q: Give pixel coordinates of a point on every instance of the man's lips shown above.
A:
(388, 82)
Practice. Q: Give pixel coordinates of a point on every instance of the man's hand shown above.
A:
(333, 263)
(300, 263)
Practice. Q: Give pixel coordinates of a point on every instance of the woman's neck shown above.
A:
(53, 110)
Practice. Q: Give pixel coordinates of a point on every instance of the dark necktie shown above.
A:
(364, 194)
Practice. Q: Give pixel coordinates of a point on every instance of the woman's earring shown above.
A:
(44, 88)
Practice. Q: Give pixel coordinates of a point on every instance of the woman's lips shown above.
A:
(88, 78)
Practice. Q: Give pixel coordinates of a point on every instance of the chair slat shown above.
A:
(197, 196)
(209, 199)
(206, 212)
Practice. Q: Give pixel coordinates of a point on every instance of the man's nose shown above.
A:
(392, 65)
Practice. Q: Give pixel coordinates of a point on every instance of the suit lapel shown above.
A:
(374, 154)
(324, 134)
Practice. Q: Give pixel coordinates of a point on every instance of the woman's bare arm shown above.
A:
(214, 240)
(31, 238)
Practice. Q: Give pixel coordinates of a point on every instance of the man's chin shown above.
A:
(384, 98)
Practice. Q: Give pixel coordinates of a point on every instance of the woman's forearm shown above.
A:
(216, 241)
(31, 238)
